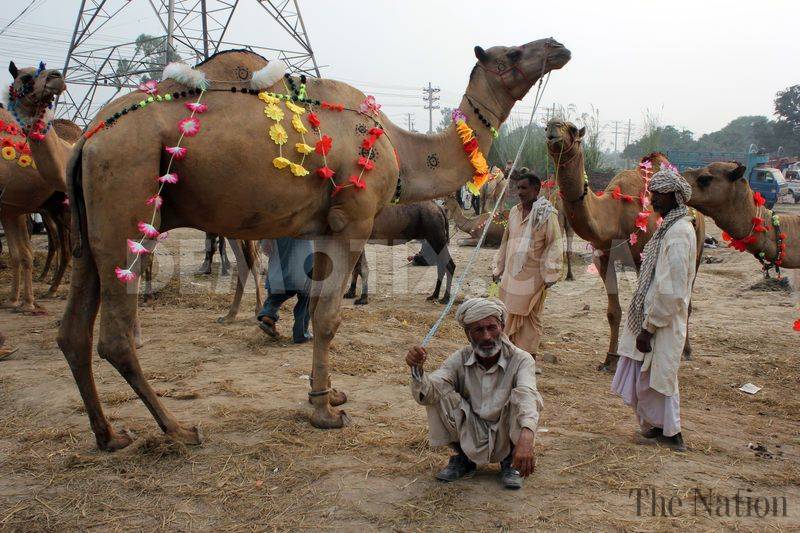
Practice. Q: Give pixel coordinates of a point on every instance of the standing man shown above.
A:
(653, 339)
(528, 262)
(482, 401)
(288, 275)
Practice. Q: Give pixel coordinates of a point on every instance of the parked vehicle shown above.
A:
(793, 182)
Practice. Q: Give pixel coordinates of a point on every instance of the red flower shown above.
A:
(2, 124)
(313, 119)
(36, 136)
(336, 190)
(759, 200)
(726, 236)
(357, 182)
(20, 146)
(324, 145)
(12, 129)
(782, 236)
(599, 193)
(377, 132)
(366, 163)
(338, 107)
(797, 325)
(758, 225)
(325, 173)
(616, 193)
(641, 220)
(471, 146)
(8, 142)
(368, 142)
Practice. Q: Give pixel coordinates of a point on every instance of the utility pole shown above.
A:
(616, 130)
(410, 120)
(628, 136)
(430, 97)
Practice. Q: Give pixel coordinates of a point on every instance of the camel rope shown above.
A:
(543, 80)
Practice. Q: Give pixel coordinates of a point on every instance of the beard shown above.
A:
(487, 350)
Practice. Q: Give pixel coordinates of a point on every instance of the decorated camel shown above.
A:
(234, 159)
(616, 222)
(25, 188)
(720, 191)
(399, 224)
(473, 226)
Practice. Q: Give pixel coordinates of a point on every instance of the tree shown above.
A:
(445, 120)
(787, 106)
(149, 59)
(661, 139)
(737, 136)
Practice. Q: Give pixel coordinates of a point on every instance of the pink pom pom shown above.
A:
(591, 269)
(148, 230)
(172, 177)
(195, 107)
(189, 126)
(124, 275)
(137, 248)
(633, 239)
(162, 236)
(156, 201)
(177, 152)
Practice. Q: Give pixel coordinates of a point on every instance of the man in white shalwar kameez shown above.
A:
(653, 338)
(482, 401)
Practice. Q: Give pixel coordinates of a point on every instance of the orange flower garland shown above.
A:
(476, 157)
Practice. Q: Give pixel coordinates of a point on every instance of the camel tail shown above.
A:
(77, 201)
(443, 212)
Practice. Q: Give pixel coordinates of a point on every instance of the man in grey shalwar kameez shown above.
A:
(483, 400)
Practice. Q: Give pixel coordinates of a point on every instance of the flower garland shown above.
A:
(759, 226)
(476, 157)
(20, 150)
(188, 127)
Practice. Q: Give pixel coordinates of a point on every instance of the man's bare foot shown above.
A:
(5, 352)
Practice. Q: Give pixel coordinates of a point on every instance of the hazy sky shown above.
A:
(698, 64)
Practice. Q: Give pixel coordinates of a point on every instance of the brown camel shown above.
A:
(25, 189)
(474, 226)
(399, 224)
(553, 196)
(608, 221)
(233, 188)
(720, 191)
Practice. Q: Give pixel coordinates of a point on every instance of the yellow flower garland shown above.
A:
(24, 160)
(476, 158)
(279, 135)
(8, 153)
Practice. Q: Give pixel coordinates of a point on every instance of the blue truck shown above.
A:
(766, 180)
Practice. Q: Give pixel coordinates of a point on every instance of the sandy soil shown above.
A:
(263, 467)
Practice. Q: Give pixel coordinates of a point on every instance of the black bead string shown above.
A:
(477, 111)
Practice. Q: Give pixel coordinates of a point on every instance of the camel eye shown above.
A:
(704, 181)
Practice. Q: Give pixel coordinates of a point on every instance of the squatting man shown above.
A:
(482, 401)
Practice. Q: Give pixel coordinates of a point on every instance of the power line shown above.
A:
(430, 98)
(27, 8)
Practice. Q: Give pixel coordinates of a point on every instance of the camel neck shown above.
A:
(51, 156)
(738, 223)
(576, 200)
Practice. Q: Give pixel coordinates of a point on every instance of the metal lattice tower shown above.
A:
(193, 30)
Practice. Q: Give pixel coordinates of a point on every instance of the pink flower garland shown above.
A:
(188, 127)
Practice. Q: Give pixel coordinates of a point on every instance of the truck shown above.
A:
(763, 179)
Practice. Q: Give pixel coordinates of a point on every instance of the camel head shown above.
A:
(563, 139)
(717, 187)
(33, 89)
(510, 72)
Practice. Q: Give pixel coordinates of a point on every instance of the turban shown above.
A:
(668, 180)
(476, 309)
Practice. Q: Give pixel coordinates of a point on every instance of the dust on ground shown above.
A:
(263, 466)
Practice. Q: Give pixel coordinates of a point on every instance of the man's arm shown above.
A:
(527, 401)
(672, 285)
(553, 253)
(429, 388)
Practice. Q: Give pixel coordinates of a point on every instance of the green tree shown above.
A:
(150, 58)
(787, 105)
(445, 120)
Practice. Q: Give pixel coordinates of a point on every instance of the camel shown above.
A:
(233, 187)
(608, 222)
(398, 224)
(26, 187)
(720, 191)
(553, 196)
(474, 226)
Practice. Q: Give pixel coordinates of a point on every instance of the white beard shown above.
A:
(487, 352)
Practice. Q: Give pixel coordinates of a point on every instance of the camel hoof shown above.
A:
(569, 277)
(337, 397)
(349, 294)
(33, 310)
(324, 417)
(227, 319)
(49, 295)
(12, 305)
(430, 298)
(687, 356)
(117, 441)
(444, 299)
(138, 342)
(602, 367)
(361, 301)
(191, 437)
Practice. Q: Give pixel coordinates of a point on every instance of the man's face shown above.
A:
(484, 336)
(526, 192)
(663, 202)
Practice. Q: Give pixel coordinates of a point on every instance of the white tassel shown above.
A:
(185, 75)
(267, 76)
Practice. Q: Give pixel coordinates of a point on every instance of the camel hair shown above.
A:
(232, 187)
(608, 221)
(720, 191)
(399, 224)
(27, 187)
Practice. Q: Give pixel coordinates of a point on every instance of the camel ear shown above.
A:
(514, 54)
(737, 173)
(481, 54)
(581, 133)
(12, 68)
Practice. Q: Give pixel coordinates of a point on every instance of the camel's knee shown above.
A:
(325, 326)
(118, 351)
(614, 315)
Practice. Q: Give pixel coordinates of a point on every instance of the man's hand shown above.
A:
(416, 357)
(524, 459)
(643, 343)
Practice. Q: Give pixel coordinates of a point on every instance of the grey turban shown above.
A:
(476, 309)
(667, 180)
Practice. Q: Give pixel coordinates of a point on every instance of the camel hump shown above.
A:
(67, 130)
(232, 66)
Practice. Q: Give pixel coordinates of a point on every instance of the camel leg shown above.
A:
(52, 244)
(334, 260)
(613, 312)
(22, 260)
(210, 249)
(351, 292)
(75, 341)
(10, 227)
(147, 276)
(570, 234)
(223, 257)
(254, 264)
(451, 270)
(244, 266)
(62, 236)
(363, 268)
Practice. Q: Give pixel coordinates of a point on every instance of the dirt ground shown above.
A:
(263, 467)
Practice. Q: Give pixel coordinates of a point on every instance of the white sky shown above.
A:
(698, 64)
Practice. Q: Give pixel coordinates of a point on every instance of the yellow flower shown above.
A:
(479, 162)
(267, 98)
(278, 134)
(274, 112)
(24, 160)
(473, 190)
(281, 162)
(294, 108)
(298, 124)
(479, 180)
(303, 148)
(9, 154)
(298, 170)
(464, 132)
